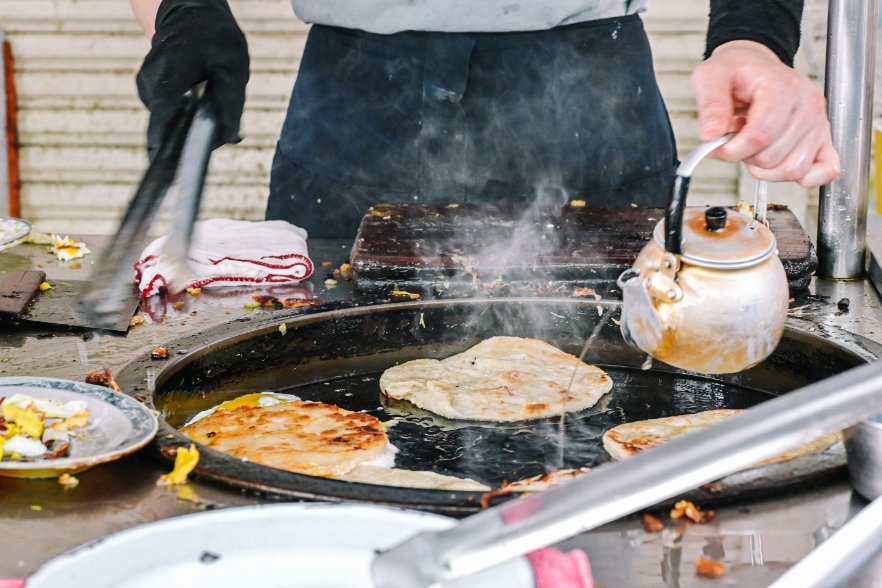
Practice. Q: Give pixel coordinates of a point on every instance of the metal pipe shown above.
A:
(842, 210)
(615, 490)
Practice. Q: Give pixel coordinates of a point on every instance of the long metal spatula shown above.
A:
(183, 153)
(614, 490)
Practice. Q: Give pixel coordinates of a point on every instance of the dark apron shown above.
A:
(439, 118)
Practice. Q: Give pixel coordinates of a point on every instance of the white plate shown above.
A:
(118, 425)
(13, 231)
(270, 546)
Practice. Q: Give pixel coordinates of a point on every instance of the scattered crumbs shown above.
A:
(453, 206)
(136, 321)
(159, 353)
(75, 265)
(330, 282)
(179, 305)
(36, 507)
(688, 510)
(652, 524)
(713, 487)
(283, 328)
(633, 205)
(45, 286)
(327, 264)
(708, 568)
(194, 291)
(69, 482)
(251, 305)
(578, 204)
(346, 271)
(842, 305)
(403, 295)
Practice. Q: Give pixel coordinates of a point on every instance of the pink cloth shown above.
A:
(12, 582)
(228, 252)
(553, 568)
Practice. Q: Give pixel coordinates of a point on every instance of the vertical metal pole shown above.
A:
(851, 59)
(5, 204)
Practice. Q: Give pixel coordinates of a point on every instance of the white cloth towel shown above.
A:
(227, 252)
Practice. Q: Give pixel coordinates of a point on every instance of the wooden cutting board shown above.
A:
(472, 250)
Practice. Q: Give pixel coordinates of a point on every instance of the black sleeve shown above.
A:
(774, 23)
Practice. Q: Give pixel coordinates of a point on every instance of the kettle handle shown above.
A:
(679, 189)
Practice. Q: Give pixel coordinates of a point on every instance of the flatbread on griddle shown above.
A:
(499, 379)
(631, 438)
(303, 437)
(367, 474)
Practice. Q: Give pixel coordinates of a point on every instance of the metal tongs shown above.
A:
(512, 529)
(179, 165)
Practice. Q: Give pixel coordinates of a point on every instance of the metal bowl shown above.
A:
(864, 448)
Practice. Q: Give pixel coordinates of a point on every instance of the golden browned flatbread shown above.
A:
(500, 379)
(367, 474)
(630, 438)
(304, 437)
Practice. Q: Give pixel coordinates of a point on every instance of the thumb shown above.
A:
(713, 96)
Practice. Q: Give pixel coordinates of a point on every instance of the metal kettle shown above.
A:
(708, 293)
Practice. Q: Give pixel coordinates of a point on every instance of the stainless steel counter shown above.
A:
(39, 519)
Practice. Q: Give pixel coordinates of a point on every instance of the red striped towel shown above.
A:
(228, 252)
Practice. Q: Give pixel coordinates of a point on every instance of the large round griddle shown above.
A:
(335, 354)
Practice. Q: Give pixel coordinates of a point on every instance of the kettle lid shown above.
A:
(717, 238)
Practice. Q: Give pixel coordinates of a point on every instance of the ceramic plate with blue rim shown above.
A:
(118, 425)
(13, 231)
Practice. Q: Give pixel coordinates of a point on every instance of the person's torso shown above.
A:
(393, 16)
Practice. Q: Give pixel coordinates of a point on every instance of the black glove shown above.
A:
(195, 41)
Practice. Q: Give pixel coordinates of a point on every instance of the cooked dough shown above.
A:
(626, 440)
(304, 437)
(411, 479)
(543, 481)
(500, 379)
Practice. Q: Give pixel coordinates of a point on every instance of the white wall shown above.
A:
(81, 123)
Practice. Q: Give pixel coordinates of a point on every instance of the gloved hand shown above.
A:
(195, 41)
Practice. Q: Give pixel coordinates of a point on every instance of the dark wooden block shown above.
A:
(475, 249)
(17, 290)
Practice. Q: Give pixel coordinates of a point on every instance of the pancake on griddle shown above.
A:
(304, 437)
(631, 438)
(499, 379)
(368, 474)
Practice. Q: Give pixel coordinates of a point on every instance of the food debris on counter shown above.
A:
(104, 378)
(327, 264)
(194, 291)
(652, 524)
(159, 353)
(186, 459)
(136, 321)
(283, 328)
(578, 204)
(403, 295)
(45, 286)
(331, 283)
(179, 305)
(708, 568)
(842, 306)
(688, 510)
(346, 271)
(579, 291)
(68, 482)
(66, 249)
(266, 301)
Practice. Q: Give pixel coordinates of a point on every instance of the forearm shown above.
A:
(774, 23)
(145, 14)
